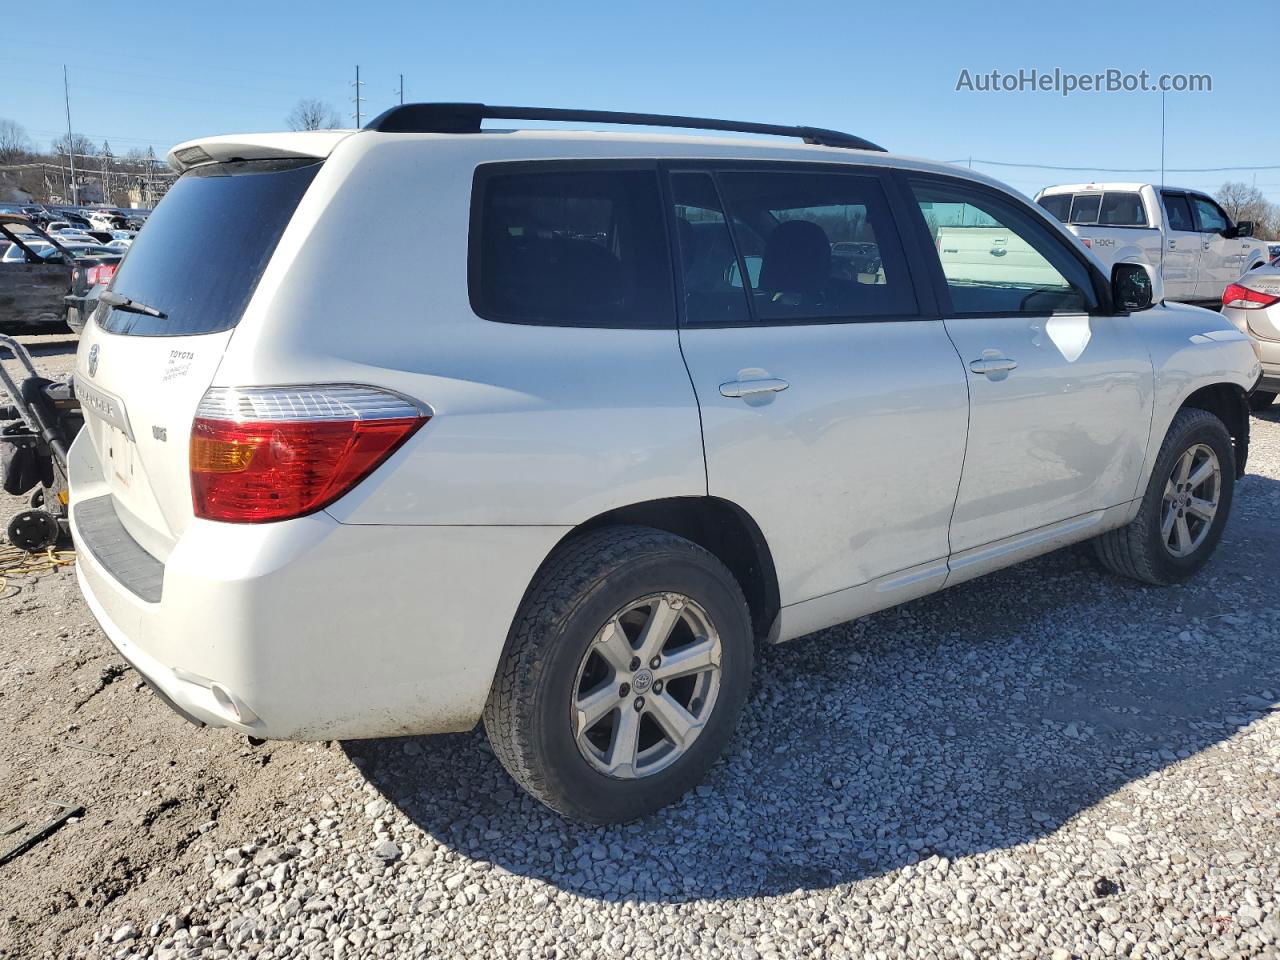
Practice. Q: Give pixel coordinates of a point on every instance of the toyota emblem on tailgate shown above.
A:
(93, 360)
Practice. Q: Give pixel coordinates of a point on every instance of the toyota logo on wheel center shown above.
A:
(642, 681)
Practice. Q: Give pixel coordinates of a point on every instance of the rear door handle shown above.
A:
(751, 388)
(990, 365)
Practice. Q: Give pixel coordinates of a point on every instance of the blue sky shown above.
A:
(159, 73)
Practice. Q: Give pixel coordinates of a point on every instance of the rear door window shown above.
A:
(570, 247)
(1179, 212)
(204, 248)
(815, 246)
(713, 289)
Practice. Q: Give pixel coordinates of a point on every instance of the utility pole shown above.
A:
(402, 91)
(107, 159)
(71, 149)
(357, 98)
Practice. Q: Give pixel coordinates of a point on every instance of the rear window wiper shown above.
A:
(121, 302)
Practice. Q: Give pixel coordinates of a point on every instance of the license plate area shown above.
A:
(118, 456)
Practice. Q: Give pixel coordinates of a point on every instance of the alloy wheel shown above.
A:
(1190, 503)
(646, 686)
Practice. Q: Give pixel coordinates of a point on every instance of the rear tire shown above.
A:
(1175, 532)
(600, 603)
(1261, 400)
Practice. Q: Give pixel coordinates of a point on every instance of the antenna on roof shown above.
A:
(466, 118)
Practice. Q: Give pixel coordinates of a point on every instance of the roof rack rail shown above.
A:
(466, 118)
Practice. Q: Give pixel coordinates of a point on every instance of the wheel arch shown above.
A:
(722, 528)
(1230, 404)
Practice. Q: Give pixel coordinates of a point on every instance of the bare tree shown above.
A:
(1243, 202)
(15, 145)
(309, 114)
(80, 144)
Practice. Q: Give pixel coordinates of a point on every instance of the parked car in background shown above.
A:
(596, 464)
(1182, 233)
(859, 257)
(46, 282)
(1273, 251)
(1252, 303)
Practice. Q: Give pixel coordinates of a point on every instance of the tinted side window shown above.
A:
(571, 248)
(1122, 210)
(713, 291)
(826, 244)
(1084, 209)
(997, 259)
(1212, 220)
(1058, 205)
(1178, 211)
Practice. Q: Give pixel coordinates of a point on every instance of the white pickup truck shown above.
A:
(1182, 233)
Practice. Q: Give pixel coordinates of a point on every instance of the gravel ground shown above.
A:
(1048, 762)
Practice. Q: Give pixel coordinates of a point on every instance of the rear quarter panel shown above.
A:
(531, 425)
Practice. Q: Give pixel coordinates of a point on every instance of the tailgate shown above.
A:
(149, 354)
(139, 396)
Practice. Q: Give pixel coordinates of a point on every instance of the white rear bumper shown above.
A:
(320, 630)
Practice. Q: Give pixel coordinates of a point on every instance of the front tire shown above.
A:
(1184, 509)
(625, 673)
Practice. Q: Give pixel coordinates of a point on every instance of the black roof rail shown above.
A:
(466, 117)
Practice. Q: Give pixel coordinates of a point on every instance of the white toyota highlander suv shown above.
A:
(562, 460)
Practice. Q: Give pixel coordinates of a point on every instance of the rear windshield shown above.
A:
(1111, 209)
(204, 248)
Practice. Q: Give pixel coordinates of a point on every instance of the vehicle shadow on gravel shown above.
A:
(975, 720)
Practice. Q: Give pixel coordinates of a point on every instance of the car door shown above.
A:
(1059, 395)
(1221, 258)
(1181, 258)
(833, 406)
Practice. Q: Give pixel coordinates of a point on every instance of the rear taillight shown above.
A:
(102, 273)
(260, 454)
(1243, 298)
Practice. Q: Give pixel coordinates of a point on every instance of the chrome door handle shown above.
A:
(1173, 244)
(750, 388)
(990, 365)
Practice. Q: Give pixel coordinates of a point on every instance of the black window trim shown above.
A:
(484, 172)
(922, 292)
(914, 220)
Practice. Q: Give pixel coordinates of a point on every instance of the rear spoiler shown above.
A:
(255, 146)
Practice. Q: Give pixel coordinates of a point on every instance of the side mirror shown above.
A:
(1244, 229)
(1132, 287)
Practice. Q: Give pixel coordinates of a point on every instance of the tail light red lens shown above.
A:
(102, 273)
(260, 454)
(1241, 297)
